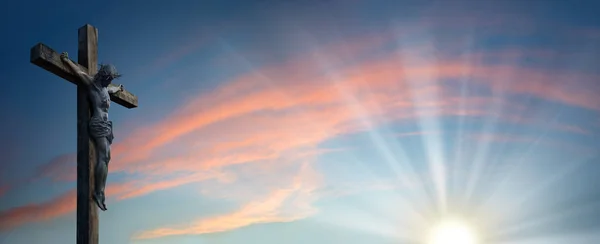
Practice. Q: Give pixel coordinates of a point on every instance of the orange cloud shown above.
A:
(62, 167)
(139, 188)
(276, 113)
(388, 88)
(56, 207)
(38, 212)
(281, 205)
(244, 95)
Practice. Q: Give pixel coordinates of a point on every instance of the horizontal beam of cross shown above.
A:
(46, 58)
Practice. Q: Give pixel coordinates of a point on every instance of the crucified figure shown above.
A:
(100, 128)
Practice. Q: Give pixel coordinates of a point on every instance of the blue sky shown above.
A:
(313, 121)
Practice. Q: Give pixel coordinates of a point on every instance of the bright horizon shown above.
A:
(324, 122)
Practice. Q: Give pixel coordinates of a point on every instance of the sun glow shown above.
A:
(452, 232)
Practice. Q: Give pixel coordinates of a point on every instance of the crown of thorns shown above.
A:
(108, 70)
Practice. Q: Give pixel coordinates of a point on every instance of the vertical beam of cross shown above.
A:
(87, 211)
(48, 59)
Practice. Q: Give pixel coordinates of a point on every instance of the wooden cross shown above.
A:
(87, 58)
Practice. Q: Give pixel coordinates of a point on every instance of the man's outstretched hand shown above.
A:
(64, 56)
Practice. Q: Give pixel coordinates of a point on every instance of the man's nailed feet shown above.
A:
(99, 201)
(104, 208)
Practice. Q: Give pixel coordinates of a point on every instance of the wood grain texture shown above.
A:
(48, 59)
(87, 211)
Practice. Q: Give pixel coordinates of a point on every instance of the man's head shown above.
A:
(106, 74)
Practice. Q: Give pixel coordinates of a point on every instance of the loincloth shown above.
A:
(99, 128)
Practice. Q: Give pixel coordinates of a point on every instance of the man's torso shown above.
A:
(100, 100)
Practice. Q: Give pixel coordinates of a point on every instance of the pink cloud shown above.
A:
(59, 206)
(287, 124)
(278, 114)
(62, 168)
(47, 210)
(143, 187)
(384, 87)
(281, 205)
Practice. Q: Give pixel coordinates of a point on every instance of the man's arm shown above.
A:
(84, 77)
(114, 89)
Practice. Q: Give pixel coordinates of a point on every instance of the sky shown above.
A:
(318, 121)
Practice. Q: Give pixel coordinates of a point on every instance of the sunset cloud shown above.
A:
(384, 97)
(313, 108)
(59, 206)
(280, 205)
(279, 115)
(55, 207)
(61, 168)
